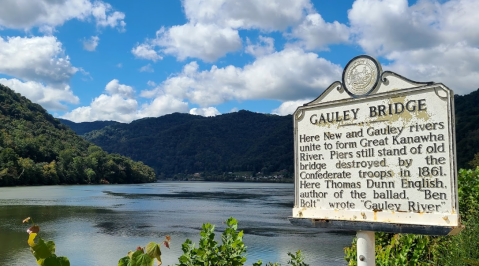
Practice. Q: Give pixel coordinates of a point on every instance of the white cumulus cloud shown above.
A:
(247, 14)
(212, 28)
(120, 104)
(264, 46)
(290, 74)
(105, 107)
(428, 40)
(316, 34)
(41, 69)
(106, 17)
(91, 44)
(288, 107)
(204, 41)
(47, 14)
(206, 111)
(207, 42)
(146, 51)
(457, 66)
(48, 97)
(381, 27)
(147, 68)
(35, 58)
(162, 105)
(115, 88)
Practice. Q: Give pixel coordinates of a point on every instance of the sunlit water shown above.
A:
(97, 225)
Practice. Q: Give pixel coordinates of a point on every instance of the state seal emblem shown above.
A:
(361, 75)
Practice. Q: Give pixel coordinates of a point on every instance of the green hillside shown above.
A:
(36, 148)
(85, 127)
(467, 127)
(183, 143)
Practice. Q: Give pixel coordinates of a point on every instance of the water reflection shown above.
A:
(97, 225)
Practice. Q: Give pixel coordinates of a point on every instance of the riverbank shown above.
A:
(278, 177)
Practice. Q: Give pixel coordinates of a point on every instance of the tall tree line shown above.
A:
(35, 148)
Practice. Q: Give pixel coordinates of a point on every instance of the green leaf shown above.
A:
(143, 260)
(40, 250)
(182, 259)
(63, 261)
(259, 263)
(153, 250)
(53, 260)
(51, 246)
(232, 223)
(135, 254)
(125, 261)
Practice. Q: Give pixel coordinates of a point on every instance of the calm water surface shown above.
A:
(97, 225)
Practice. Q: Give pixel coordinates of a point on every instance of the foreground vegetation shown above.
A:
(36, 149)
(232, 251)
(410, 249)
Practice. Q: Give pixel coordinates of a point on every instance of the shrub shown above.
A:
(394, 249)
(463, 249)
(410, 249)
(231, 252)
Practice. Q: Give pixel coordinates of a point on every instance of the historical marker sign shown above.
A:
(377, 148)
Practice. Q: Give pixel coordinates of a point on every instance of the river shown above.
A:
(98, 224)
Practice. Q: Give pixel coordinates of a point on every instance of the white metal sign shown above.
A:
(377, 148)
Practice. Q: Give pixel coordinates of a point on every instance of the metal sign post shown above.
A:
(376, 152)
(365, 248)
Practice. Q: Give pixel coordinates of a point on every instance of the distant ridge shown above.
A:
(241, 141)
(184, 143)
(85, 127)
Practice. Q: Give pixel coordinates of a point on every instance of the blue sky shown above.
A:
(123, 60)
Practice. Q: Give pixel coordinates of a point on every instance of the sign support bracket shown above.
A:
(366, 254)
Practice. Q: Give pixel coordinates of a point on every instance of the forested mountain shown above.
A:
(85, 127)
(242, 141)
(467, 127)
(36, 148)
(184, 143)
